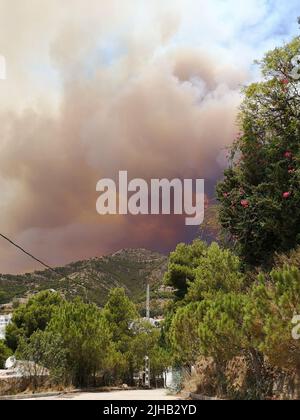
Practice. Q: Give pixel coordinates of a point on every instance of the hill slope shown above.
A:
(92, 279)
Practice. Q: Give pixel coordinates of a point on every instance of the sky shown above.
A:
(94, 87)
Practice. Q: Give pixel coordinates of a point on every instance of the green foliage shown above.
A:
(3, 297)
(292, 258)
(76, 345)
(31, 317)
(182, 264)
(260, 198)
(134, 339)
(120, 313)
(46, 350)
(275, 301)
(211, 324)
(221, 333)
(211, 328)
(81, 344)
(218, 270)
(210, 303)
(85, 339)
(146, 342)
(223, 317)
(5, 353)
(183, 333)
(160, 360)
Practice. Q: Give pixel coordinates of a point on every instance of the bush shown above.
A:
(5, 353)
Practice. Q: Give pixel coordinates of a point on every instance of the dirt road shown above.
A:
(140, 395)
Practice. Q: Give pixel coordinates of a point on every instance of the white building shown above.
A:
(4, 321)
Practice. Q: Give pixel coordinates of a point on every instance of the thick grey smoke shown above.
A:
(89, 93)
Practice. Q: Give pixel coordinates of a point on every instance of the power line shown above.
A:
(28, 253)
(38, 260)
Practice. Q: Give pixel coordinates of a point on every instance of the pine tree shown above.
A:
(273, 304)
(182, 264)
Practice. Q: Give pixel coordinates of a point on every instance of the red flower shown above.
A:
(285, 81)
(288, 155)
(286, 195)
(226, 195)
(245, 204)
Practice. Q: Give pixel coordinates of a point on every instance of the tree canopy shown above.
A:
(259, 196)
(33, 316)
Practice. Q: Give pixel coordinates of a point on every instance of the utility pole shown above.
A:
(147, 372)
(147, 359)
(148, 303)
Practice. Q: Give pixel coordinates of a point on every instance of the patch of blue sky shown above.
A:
(104, 55)
(255, 23)
(279, 23)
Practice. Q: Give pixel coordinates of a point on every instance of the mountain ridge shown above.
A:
(92, 279)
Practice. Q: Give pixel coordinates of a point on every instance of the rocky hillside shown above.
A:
(92, 279)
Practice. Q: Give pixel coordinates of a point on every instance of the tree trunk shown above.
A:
(297, 384)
